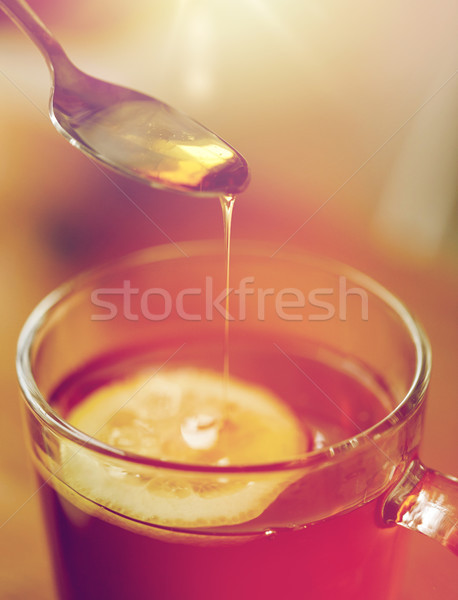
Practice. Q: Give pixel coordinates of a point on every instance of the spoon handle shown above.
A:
(25, 18)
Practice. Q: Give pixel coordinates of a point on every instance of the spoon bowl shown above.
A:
(131, 133)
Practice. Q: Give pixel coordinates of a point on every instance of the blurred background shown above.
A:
(346, 113)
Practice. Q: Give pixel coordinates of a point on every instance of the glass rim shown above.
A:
(213, 248)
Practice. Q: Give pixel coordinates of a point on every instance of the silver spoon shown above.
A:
(131, 133)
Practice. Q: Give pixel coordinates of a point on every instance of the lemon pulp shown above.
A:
(188, 416)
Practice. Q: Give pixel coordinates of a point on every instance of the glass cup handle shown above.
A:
(424, 500)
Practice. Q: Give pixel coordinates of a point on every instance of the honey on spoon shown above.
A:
(132, 133)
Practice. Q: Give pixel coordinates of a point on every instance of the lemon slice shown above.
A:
(188, 416)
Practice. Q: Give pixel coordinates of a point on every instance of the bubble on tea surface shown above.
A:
(200, 432)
